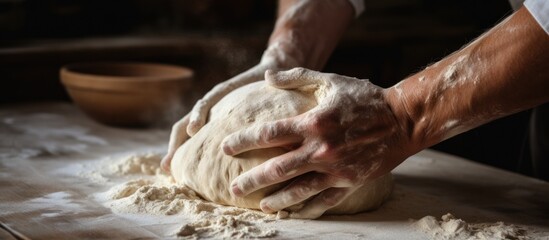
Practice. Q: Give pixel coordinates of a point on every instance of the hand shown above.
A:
(295, 41)
(273, 58)
(352, 136)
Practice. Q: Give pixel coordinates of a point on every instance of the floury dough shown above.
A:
(201, 164)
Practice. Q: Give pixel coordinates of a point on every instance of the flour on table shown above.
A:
(112, 167)
(153, 192)
(224, 227)
(146, 163)
(450, 227)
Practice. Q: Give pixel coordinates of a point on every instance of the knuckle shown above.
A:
(200, 104)
(219, 87)
(179, 127)
(327, 150)
(274, 171)
(299, 70)
(266, 133)
(322, 122)
(299, 193)
(246, 184)
(314, 124)
(345, 176)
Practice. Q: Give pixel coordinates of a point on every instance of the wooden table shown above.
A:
(41, 201)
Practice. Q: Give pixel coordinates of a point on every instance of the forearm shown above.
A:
(503, 72)
(308, 31)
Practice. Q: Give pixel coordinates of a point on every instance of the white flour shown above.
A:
(147, 191)
(155, 193)
(113, 167)
(147, 163)
(450, 227)
(225, 227)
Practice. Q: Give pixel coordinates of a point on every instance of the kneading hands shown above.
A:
(348, 138)
(359, 131)
(294, 42)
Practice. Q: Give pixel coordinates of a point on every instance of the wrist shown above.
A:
(477, 84)
(401, 106)
(308, 31)
(281, 56)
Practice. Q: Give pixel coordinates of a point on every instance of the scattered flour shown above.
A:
(224, 227)
(450, 227)
(113, 167)
(151, 192)
(147, 163)
(155, 193)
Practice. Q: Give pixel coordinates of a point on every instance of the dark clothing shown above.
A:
(539, 141)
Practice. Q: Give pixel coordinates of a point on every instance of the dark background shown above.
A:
(218, 39)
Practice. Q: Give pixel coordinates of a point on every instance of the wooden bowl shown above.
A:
(128, 94)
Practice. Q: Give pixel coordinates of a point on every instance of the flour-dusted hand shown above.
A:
(350, 137)
(273, 58)
(359, 131)
(295, 41)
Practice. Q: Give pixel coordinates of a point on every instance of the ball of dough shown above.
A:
(201, 164)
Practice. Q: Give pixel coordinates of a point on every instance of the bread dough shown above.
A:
(201, 164)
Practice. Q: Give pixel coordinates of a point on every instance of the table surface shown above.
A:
(37, 140)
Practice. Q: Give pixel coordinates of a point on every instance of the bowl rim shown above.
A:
(71, 77)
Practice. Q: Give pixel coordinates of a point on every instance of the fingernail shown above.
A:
(236, 191)
(265, 207)
(227, 149)
(191, 127)
(164, 164)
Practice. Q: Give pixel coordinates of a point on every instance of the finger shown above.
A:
(198, 116)
(273, 171)
(201, 109)
(298, 191)
(267, 135)
(177, 137)
(199, 113)
(322, 202)
(295, 78)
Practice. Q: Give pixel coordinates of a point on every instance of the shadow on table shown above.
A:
(417, 196)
